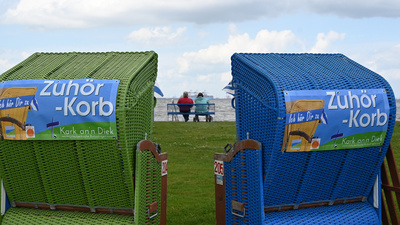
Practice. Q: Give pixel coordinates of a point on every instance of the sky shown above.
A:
(195, 39)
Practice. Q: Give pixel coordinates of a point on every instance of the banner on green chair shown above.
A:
(318, 120)
(78, 109)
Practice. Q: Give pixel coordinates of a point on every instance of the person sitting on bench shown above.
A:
(187, 104)
(202, 107)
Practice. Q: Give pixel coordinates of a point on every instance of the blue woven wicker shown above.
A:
(244, 184)
(260, 81)
(352, 213)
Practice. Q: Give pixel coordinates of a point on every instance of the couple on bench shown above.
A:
(185, 104)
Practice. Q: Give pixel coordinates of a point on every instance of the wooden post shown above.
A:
(219, 193)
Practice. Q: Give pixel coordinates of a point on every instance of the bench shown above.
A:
(297, 159)
(81, 155)
(207, 110)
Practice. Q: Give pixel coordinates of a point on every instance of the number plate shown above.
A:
(218, 167)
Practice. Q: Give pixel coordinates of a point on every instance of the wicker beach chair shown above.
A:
(117, 180)
(264, 183)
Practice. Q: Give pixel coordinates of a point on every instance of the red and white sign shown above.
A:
(164, 167)
(218, 167)
(315, 143)
(30, 131)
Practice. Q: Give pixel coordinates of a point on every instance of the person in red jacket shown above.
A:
(186, 105)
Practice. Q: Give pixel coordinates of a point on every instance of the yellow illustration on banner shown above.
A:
(13, 120)
(299, 137)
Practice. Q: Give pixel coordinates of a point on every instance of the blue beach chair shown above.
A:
(297, 160)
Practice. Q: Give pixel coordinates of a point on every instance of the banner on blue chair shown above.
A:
(58, 109)
(318, 120)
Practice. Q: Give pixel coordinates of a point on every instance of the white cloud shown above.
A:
(233, 30)
(209, 68)
(211, 77)
(9, 58)
(4, 65)
(211, 65)
(204, 78)
(157, 35)
(265, 41)
(170, 74)
(56, 14)
(325, 40)
(183, 64)
(385, 62)
(226, 77)
(25, 54)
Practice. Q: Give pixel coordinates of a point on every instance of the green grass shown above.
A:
(191, 148)
(396, 143)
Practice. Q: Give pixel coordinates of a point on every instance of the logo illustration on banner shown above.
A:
(30, 132)
(318, 120)
(315, 143)
(74, 109)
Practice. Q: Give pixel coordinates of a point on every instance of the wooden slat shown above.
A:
(394, 173)
(163, 218)
(238, 206)
(385, 216)
(153, 207)
(387, 189)
(238, 146)
(391, 188)
(389, 197)
(220, 201)
(312, 205)
(74, 208)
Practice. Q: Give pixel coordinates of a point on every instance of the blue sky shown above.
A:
(195, 39)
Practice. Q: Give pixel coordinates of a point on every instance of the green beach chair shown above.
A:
(76, 170)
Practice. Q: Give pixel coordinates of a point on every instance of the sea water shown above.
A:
(223, 110)
(397, 110)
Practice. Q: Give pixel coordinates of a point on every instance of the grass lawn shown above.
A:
(191, 148)
(396, 143)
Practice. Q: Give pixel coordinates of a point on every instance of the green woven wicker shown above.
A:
(148, 172)
(94, 173)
